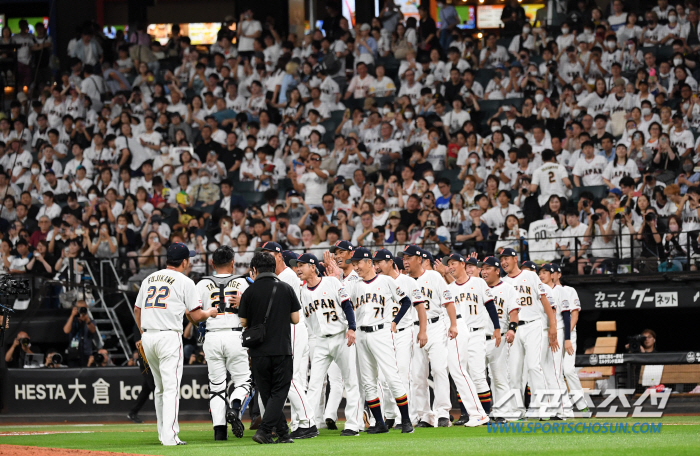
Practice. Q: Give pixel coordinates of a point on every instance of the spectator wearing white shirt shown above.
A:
(313, 183)
(361, 84)
(620, 167)
(50, 208)
(250, 166)
(588, 170)
(571, 242)
(492, 54)
(551, 178)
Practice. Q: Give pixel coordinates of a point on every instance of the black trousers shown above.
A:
(273, 378)
(147, 388)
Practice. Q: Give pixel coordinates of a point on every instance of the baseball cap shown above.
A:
(399, 264)
(455, 257)
(365, 27)
(508, 252)
(306, 258)
(472, 260)
(615, 191)
(394, 214)
(288, 256)
(179, 251)
(427, 256)
(410, 250)
(549, 267)
(342, 245)
(619, 82)
(358, 254)
(557, 268)
(270, 247)
(529, 264)
(339, 180)
(49, 171)
(382, 254)
(490, 261)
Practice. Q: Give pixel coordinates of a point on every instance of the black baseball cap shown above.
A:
(342, 245)
(455, 257)
(382, 254)
(288, 256)
(410, 250)
(490, 261)
(358, 254)
(427, 256)
(270, 247)
(305, 258)
(472, 260)
(508, 252)
(549, 267)
(399, 263)
(557, 268)
(529, 264)
(179, 251)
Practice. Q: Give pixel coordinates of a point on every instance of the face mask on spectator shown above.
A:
(577, 87)
(91, 197)
(630, 46)
(673, 228)
(672, 19)
(519, 142)
(526, 30)
(539, 98)
(611, 44)
(430, 179)
(575, 113)
(249, 155)
(386, 110)
(36, 171)
(664, 75)
(408, 115)
(204, 180)
(688, 168)
(646, 111)
(121, 227)
(565, 30)
(677, 62)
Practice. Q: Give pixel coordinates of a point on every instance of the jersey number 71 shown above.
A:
(155, 297)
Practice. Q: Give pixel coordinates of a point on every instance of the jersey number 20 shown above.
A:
(155, 297)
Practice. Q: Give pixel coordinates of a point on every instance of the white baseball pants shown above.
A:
(301, 410)
(571, 375)
(474, 344)
(375, 351)
(224, 353)
(432, 357)
(497, 360)
(164, 353)
(527, 347)
(456, 353)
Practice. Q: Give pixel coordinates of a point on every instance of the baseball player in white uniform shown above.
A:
(508, 305)
(162, 301)
(385, 263)
(222, 344)
(472, 297)
(534, 309)
(328, 311)
(372, 299)
(431, 356)
(562, 403)
(569, 363)
(302, 419)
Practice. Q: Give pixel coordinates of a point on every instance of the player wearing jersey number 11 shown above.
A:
(164, 298)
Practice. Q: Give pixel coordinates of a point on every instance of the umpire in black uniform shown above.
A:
(271, 361)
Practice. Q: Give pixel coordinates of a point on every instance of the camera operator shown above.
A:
(80, 328)
(601, 236)
(100, 359)
(53, 360)
(642, 343)
(197, 358)
(652, 246)
(585, 206)
(24, 343)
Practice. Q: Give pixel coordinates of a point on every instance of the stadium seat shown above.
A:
(599, 192)
(247, 186)
(253, 198)
(483, 77)
(337, 116)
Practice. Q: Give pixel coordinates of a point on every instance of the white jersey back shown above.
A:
(210, 294)
(470, 298)
(408, 285)
(574, 302)
(434, 292)
(163, 298)
(506, 300)
(542, 239)
(321, 306)
(553, 298)
(529, 288)
(291, 278)
(372, 300)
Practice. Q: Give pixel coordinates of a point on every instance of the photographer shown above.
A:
(24, 343)
(53, 360)
(100, 359)
(80, 329)
(601, 237)
(643, 343)
(652, 247)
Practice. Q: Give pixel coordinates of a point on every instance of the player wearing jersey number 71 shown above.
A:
(329, 314)
(371, 298)
(164, 298)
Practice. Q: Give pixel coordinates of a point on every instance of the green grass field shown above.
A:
(678, 436)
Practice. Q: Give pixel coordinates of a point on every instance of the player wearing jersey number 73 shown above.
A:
(164, 298)
(432, 291)
(371, 298)
(329, 314)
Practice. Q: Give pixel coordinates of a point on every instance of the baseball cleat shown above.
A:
(390, 423)
(444, 422)
(262, 437)
(349, 433)
(305, 433)
(378, 429)
(462, 419)
(181, 442)
(284, 439)
(500, 419)
(330, 424)
(406, 427)
(423, 424)
(220, 433)
(474, 422)
(237, 427)
(255, 423)
(134, 417)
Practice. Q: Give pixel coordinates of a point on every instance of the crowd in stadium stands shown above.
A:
(575, 144)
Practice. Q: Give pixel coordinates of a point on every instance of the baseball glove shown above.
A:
(143, 357)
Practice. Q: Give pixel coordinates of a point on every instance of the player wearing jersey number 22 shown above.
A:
(164, 298)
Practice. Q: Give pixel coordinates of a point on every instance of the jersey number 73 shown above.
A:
(155, 297)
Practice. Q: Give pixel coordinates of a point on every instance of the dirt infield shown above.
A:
(15, 450)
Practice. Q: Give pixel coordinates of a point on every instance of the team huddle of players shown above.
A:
(375, 327)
